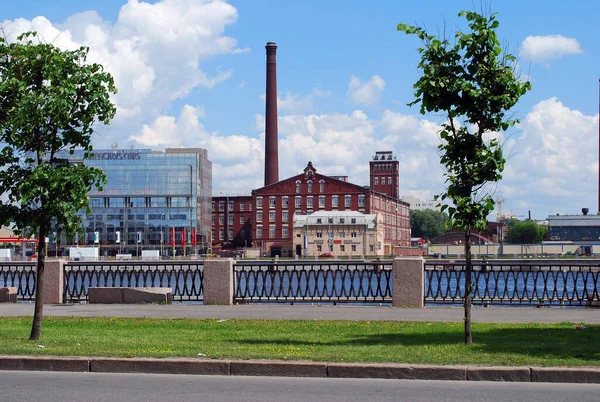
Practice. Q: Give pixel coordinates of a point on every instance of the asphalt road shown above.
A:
(65, 387)
(310, 312)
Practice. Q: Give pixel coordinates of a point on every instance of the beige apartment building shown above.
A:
(339, 234)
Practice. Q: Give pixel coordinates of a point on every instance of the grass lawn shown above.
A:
(331, 341)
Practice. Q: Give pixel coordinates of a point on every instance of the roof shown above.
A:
(337, 218)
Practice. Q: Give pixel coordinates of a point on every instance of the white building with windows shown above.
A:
(417, 204)
(339, 234)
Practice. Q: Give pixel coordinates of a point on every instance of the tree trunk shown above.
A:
(468, 287)
(36, 327)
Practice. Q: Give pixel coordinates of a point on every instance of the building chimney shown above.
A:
(271, 150)
(585, 211)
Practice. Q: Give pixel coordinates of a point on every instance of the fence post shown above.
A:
(408, 275)
(218, 281)
(53, 282)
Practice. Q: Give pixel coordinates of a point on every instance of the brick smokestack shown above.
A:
(271, 150)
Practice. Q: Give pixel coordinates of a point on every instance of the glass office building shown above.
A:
(153, 200)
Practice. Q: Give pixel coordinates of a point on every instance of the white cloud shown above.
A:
(297, 103)
(542, 48)
(555, 162)
(154, 51)
(367, 93)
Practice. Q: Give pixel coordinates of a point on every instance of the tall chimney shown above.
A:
(271, 150)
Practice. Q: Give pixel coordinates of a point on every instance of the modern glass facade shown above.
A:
(152, 200)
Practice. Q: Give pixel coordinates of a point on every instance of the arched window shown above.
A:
(321, 186)
(310, 186)
(297, 186)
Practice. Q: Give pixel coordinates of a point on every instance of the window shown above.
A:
(319, 220)
(221, 234)
(321, 201)
(319, 235)
(321, 186)
(377, 181)
(298, 202)
(342, 220)
(222, 220)
(353, 234)
(259, 233)
(271, 231)
(250, 207)
(297, 186)
(213, 219)
(371, 248)
(259, 216)
(297, 213)
(319, 248)
(212, 234)
(230, 219)
(213, 204)
(348, 202)
(284, 232)
(330, 220)
(310, 211)
(284, 201)
(310, 186)
(221, 205)
(271, 216)
(284, 216)
(352, 220)
(331, 247)
(258, 202)
(354, 247)
(242, 206)
(342, 235)
(389, 180)
(334, 201)
(342, 248)
(231, 205)
(242, 220)
(271, 202)
(309, 202)
(361, 200)
(230, 234)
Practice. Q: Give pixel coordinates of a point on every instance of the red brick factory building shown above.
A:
(265, 219)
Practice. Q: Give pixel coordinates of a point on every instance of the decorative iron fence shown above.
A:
(184, 277)
(549, 283)
(20, 275)
(304, 281)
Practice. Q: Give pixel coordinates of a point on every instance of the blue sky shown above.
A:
(192, 73)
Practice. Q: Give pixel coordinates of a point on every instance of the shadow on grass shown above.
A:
(546, 343)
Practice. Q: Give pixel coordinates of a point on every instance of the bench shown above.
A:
(8, 295)
(116, 295)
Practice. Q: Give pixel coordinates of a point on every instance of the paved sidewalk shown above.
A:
(306, 369)
(311, 312)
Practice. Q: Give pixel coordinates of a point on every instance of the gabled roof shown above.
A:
(310, 173)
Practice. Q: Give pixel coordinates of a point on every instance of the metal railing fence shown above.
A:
(184, 277)
(20, 275)
(505, 283)
(309, 281)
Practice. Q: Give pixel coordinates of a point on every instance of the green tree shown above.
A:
(427, 223)
(472, 82)
(50, 100)
(526, 232)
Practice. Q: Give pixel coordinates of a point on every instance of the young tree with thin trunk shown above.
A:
(50, 100)
(472, 82)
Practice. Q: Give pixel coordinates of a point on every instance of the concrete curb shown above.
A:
(589, 375)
